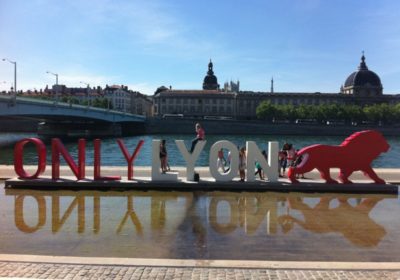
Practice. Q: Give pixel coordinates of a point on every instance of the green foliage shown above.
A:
(266, 111)
(383, 113)
(101, 103)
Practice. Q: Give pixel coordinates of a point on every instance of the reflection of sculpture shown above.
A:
(351, 221)
(355, 153)
(130, 213)
(19, 214)
(246, 211)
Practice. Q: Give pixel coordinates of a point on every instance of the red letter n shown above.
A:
(58, 148)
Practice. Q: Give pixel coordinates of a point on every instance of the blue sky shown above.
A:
(306, 45)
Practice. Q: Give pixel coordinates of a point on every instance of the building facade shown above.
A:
(115, 97)
(362, 87)
(125, 100)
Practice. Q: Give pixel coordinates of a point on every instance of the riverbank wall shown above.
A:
(218, 127)
(255, 127)
(18, 125)
(142, 181)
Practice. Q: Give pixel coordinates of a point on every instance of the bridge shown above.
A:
(65, 119)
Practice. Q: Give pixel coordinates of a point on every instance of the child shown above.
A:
(221, 161)
(291, 155)
(297, 162)
(282, 162)
(259, 170)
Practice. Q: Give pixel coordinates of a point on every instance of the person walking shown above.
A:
(259, 171)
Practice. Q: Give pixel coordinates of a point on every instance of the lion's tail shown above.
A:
(292, 174)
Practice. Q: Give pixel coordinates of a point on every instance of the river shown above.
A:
(112, 156)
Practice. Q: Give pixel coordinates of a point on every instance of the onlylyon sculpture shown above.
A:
(356, 153)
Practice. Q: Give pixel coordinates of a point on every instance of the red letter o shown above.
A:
(19, 158)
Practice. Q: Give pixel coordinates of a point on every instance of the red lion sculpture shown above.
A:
(355, 153)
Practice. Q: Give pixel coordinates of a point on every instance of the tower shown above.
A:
(210, 80)
(272, 85)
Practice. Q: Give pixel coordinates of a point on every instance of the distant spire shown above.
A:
(363, 65)
(272, 85)
(210, 68)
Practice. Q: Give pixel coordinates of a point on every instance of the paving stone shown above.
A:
(61, 271)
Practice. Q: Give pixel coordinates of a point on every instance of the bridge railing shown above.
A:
(59, 104)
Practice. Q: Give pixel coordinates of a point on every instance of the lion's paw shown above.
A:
(331, 181)
(380, 181)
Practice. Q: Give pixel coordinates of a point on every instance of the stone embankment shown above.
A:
(142, 181)
(221, 127)
(254, 127)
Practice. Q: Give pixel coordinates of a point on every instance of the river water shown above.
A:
(112, 155)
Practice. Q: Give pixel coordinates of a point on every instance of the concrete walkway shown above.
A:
(390, 175)
(47, 267)
(142, 181)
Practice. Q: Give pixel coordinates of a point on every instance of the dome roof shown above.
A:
(363, 77)
(210, 79)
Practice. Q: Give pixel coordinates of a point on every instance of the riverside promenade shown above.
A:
(390, 175)
(142, 181)
(62, 267)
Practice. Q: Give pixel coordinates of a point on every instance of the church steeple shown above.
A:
(210, 80)
(272, 85)
(363, 65)
(210, 68)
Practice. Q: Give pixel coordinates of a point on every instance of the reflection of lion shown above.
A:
(355, 153)
(353, 222)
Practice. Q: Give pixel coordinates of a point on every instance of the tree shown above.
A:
(265, 111)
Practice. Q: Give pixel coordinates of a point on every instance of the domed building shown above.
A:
(363, 83)
(210, 80)
(362, 88)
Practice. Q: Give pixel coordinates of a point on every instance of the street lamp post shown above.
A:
(48, 72)
(87, 92)
(54, 74)
(15, 76)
